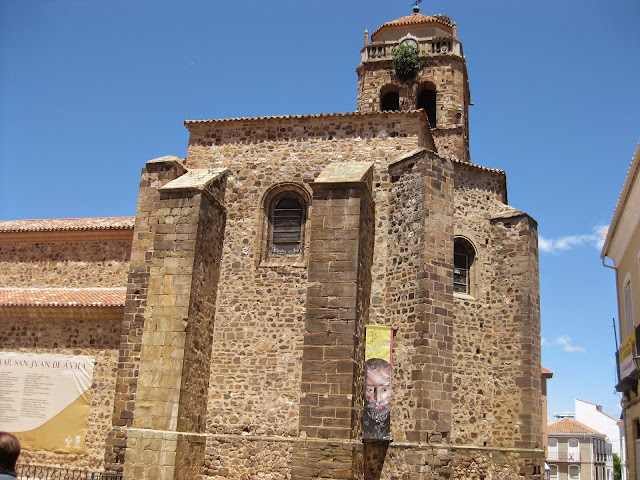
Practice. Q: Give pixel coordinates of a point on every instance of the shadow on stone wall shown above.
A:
(374, 455)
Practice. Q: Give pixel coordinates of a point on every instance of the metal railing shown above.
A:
(564, 456)
(42, 472)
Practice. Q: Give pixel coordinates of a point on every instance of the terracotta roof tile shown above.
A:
(570, 425)
(545, 370)
(288, 117)
(413, 19)
(475, 165)
(62, 297)
(67, 224)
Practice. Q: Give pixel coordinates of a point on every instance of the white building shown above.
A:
(577, 452)
(592, 416)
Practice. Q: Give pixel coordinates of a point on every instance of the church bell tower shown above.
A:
(440, 85)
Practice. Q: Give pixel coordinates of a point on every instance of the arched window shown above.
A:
(427, 100)
(284, 218)
(389, 98)
(463, 259)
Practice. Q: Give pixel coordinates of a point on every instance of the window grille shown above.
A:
(287, 227)
(460, 270)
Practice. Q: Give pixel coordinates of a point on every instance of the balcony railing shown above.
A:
(427, 46)
(42, 472)
(563, 457)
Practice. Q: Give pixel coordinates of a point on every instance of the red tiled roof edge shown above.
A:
(67, 224)
(297, 117)
(570, 425)
(62, 297)
(475, 165)
(413, 19)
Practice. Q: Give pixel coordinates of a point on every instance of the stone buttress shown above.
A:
(166, 437)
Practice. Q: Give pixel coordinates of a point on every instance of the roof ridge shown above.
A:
(475, 165)
(67, 224)
(299, 116)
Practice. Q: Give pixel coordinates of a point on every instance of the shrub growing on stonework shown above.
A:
(406, 62)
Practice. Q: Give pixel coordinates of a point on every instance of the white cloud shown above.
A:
(565, 342)
(545, 342)
(595, 239)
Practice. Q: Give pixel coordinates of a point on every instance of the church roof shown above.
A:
(62, 297)
(570, 425)
(67, 224)
(480, 167)
(298, 117)
(413, 19)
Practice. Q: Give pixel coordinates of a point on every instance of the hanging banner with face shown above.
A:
(377, 383)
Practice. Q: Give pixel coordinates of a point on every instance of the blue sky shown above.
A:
(89, 91)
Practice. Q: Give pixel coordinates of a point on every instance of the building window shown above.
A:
(427, 100)
(389, 99)
(628, 308)
(286, 237)
(553, 449)
(463, 259)
(284, 220)
(574, 450)
(553, 472)
(574, 472)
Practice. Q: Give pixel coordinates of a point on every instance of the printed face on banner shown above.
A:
(377, 396)
(376, 418)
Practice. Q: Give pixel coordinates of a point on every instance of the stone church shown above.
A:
(226, 321)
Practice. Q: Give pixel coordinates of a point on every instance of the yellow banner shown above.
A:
(626, 352)
(379, 343)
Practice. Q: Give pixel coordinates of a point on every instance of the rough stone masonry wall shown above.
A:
(419, 304)
(496, 393)
(64, 264)
(154, 175)
(90, 334)
(71, 331)
(337, 309)
(447, 75)
(416, 288)
(254, 383)
(258, 337)
(478, 334)
(171, 397)
(204, 283)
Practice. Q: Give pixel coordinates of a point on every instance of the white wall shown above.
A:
(588, 414)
